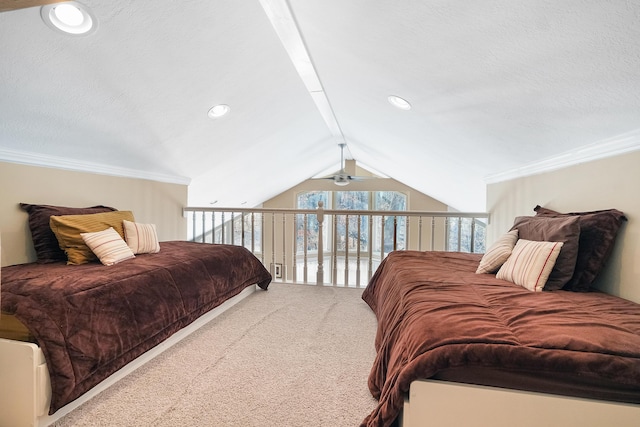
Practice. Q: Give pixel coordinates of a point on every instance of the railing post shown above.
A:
(320, 216)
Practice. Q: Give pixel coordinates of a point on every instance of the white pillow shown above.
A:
(141, 238)
(530, 264)
(108, 246)
(498, 253)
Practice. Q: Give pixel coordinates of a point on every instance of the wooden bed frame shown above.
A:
(25, 394)
(434, 403)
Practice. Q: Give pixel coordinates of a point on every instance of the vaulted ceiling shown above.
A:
(497, 88)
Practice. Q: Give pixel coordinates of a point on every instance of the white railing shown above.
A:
(300, 245)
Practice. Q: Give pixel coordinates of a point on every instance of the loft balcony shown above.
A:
(334, 247)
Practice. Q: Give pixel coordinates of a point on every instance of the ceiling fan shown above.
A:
(342, 178)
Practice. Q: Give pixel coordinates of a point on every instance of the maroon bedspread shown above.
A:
(90, 320)
(436, 315)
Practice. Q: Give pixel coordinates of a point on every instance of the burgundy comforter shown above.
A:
(90, 320)
(435, 316)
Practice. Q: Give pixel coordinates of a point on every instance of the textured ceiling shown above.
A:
(496, 86)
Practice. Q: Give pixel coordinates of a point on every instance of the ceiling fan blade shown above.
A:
(332, 177)
(360, 178)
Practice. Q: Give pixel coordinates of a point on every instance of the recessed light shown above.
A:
(69, 17)
(218, 111)
(398, 102)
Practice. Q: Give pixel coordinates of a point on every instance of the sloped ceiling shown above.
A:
(497, 87)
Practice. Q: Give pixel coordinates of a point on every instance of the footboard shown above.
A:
(26, 391)
(440, 403)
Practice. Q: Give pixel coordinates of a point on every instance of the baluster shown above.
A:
(420, 233)
(242, 230)
(253, 233)
(433, 231)
(203, 227)
(406, 232)
(370, 248)
(237, 228)
(446, 233)
(213, 228)
(395, 233)
(382, 239)
(273, 243)
(359, 239)
(305, 242)
(320, 216)
(294, 266)
(232, 229)
(334, 255)
(459, 232)
(193, 226)
(473, 235)
(346, 251)
(222, 228)
(262, 248)
(283, 269)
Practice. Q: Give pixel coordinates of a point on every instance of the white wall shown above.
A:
(416, 201)
(151, 202)
(602, 184)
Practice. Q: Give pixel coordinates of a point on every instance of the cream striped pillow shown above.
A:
(108, 246)
(498, 253)
(141, 238)
(530, 264)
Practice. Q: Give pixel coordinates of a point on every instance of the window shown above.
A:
(466, 235)
(347, 234)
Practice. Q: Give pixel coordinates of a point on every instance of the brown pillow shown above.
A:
(550, 229)
(44, 241)
(69, 228)
(597, 238)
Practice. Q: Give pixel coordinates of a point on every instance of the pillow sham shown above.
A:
(549, 229)
(530, 264)
(108, 246)
(141, 238)
(598, 232)
(44, 240)
(67, 229)
(498, 253)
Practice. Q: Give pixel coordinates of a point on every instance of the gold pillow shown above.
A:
(67, 229)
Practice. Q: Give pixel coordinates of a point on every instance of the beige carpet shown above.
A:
(295, 355)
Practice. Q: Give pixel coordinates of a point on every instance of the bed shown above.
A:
(447, 330)
(78, 326)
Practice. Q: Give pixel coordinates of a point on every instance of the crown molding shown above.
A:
(599, 150)
(32, 159)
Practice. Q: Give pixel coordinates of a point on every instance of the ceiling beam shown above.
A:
(8, 5)
(284, 23)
